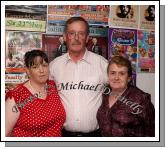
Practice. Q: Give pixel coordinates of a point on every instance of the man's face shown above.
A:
(94, 40)
(61, 39)
(152, 12)
(125, 9)
(76, 36)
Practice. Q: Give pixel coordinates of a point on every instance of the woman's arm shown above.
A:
(12, 114)
(149, 117)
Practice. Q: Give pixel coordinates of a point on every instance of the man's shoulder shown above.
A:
(59, 59)
(94, 56)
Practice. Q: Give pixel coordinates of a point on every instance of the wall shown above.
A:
(146, 82)
(48, 38)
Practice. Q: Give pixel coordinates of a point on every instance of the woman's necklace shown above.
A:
(40, 94)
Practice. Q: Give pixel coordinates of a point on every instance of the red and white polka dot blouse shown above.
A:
(38, 117)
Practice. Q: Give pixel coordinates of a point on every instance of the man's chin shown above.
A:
(79, 49)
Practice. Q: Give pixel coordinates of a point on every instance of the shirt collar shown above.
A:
(85, 58)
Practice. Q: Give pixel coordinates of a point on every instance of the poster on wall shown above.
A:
(94, 14)
(98, 41)
(146, 51)
(25, 17)
(25, 25)
(17, 44)
(124, 16)
(147, 17)
(55, 30)
(98, 45)
(123, 42)
(30, 12)
(13, 79)
(53, 45)
(58, 14)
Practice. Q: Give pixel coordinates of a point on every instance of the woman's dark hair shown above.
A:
(30, 57)
(75, 19)
(120, 60)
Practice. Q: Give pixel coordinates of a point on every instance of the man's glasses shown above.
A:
(72, 34)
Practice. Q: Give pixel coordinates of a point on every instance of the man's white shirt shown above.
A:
(80, 86)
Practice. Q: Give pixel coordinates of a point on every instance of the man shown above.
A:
(80, 76)
(95, 48)
(11, 61)
(151, 13)
(124, 11)
(62, 48)
(19, 62)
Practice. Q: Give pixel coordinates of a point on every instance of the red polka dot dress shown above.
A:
(38, 117)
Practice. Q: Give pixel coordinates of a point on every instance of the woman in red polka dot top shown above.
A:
(34, 108)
